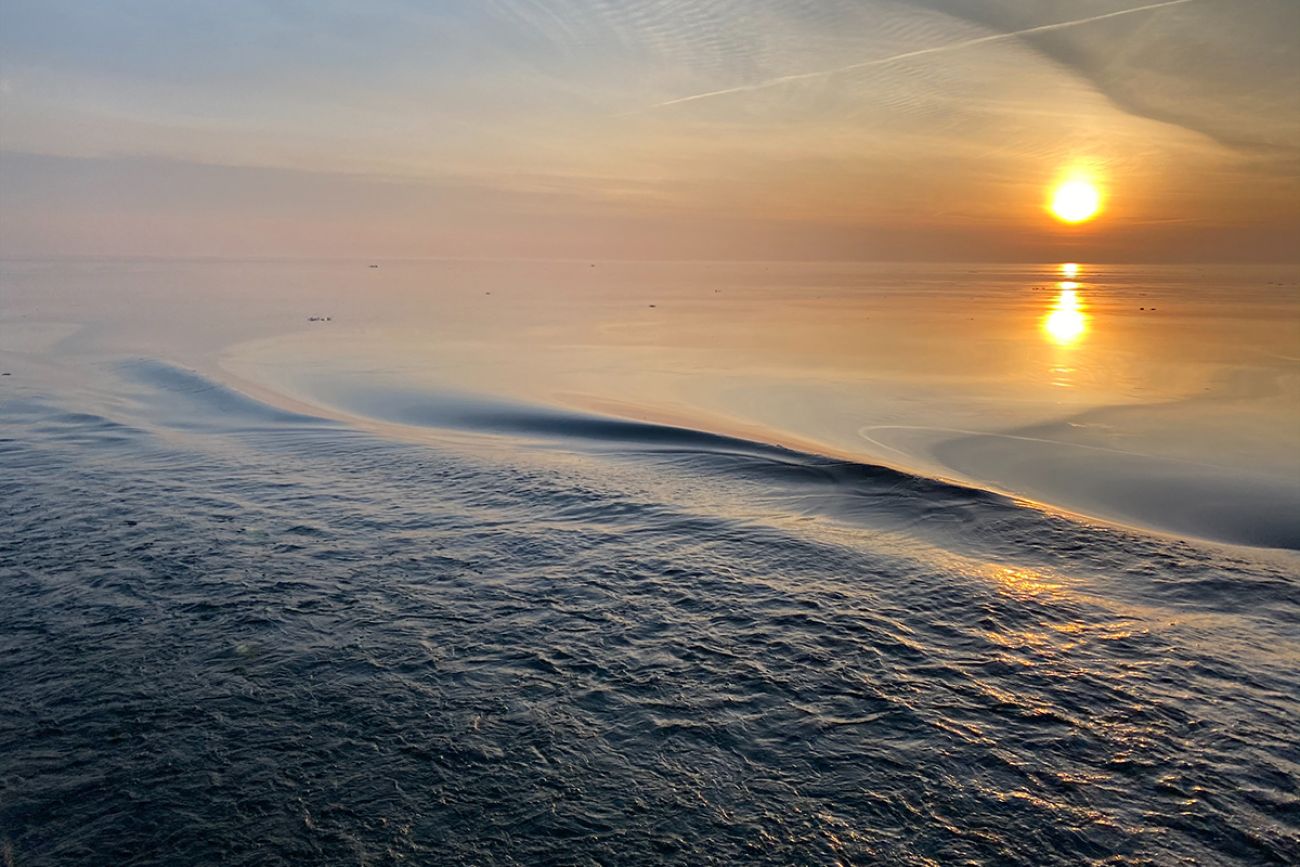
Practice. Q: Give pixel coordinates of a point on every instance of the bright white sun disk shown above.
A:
(1076, 201)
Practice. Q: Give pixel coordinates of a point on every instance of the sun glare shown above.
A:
(1075, 201)
(1066, 323)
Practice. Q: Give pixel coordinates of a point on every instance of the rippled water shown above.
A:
(473, 629)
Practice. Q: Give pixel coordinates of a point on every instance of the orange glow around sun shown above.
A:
(1076, 199)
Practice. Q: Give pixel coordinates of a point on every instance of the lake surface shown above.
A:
(580, 562)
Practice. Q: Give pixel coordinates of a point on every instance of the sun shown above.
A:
(1075, 201)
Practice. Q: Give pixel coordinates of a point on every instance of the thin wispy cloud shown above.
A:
(908, 55)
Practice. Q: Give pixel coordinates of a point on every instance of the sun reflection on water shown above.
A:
(1066, 323)
(1021, 581)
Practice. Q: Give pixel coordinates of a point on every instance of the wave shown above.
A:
(859, 491)
(864, 494)
(605, 433)
(182, 398)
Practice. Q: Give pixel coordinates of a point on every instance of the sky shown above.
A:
(649, 129)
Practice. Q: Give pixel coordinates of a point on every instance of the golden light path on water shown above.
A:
(1066, 323)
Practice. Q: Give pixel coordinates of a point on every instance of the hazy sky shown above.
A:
(855, 129)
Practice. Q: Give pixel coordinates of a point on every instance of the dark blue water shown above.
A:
(235, 634)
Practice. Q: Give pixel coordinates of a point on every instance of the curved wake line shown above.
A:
(703, 450)
(862, 432)
(183, 398)
(1165, 494)
(907, 55)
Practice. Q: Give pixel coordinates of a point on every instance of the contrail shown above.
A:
(907, 55)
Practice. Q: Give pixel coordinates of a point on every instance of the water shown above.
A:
(549, 576)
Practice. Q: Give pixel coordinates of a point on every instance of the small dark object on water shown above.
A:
(6, 373)
(651, 305)
(318, 319)
(374, 266)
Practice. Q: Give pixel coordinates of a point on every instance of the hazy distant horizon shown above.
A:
(362, 259)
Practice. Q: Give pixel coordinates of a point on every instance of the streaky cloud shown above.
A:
(909, 55)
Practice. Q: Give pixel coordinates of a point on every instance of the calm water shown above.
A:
(612, 563)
